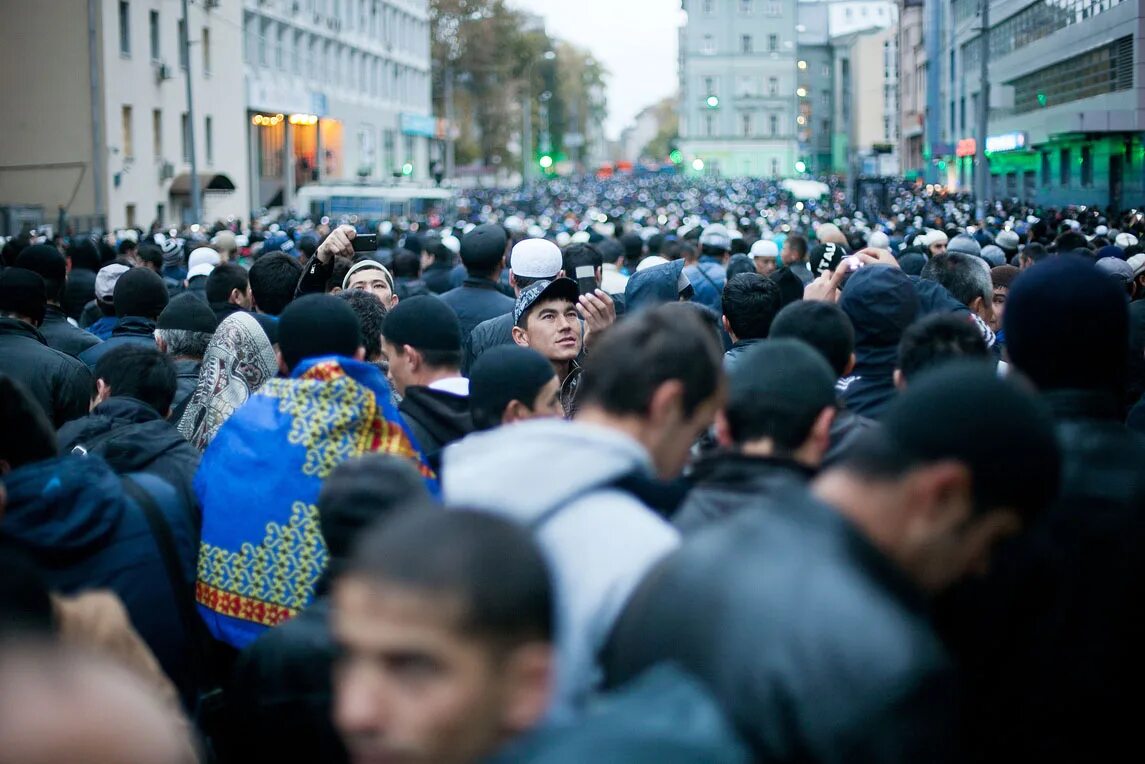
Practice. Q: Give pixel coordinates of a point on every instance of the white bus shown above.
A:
(374, 202)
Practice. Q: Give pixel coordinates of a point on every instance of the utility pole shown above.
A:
(981, 163)
(196, 193)
(527, 129)
(449, 146)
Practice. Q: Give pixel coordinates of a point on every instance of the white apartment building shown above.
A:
(96, 126)
(738, 109)
(336, 90)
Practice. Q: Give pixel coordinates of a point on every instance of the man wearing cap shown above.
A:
(1009, 242)
(512, 384)
(935, 242)
(545, 319)
(183, 331)
(199, 267)
(478, 298)
(773, 432)
(373, 277)
(140, 296)
(708, 274)
(765, 256)
(422, 341)
(102, 306)
(58, 332)
(62, 385)
(823, 594)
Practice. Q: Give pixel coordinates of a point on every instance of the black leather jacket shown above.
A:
(727, 482)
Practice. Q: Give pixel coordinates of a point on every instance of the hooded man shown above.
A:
(709, 275)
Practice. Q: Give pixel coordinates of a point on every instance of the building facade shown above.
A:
(737, 87)
(912, 87)
(336, 90)
(113, 148)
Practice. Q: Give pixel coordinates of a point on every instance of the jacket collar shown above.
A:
(126, 408)
(134, 325)
(479, 282)
(732, 467)
(14, 327)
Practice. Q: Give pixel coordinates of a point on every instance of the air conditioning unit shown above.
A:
(166, 171)
(163, 72)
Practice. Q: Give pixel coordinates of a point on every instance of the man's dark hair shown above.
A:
(371, 313)
(636, 356)
(26, 432)
(798, 244)
(965, 276)
(225, 278)
(126, 247)
(151, 255)
(655, 243)
(491, 565)
(442, 255)
(750, 303)
(273, 279)
(1069, 241)
(139, 372)
(937, 339)
(633, 248)
(822, 325)
(1035, 252)
(577, 255)
(407, 264)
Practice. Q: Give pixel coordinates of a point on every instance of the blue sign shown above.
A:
(418, 124)
(318, 103)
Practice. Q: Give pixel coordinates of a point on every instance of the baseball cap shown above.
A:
(826, 257)
(368, 265)
(562, 287)
(716, 235)
(1118, 269)
(764, 248)
(535, 259)
(105, 281)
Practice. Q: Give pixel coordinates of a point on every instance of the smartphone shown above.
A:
(586, 279)
(366, 242)
(853, 263)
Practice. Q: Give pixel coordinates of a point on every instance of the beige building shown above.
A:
(912, 85)
(97, 127)
(866, 102)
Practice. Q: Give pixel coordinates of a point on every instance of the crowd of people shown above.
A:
(628, 469)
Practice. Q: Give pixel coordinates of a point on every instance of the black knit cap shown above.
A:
(189, 313)
(954, 412)
(45, 260)
(1067, 326)
(503, 374)
(423, 323)
(484, 246)
(783, 375)
(22, 292)
(140, 292)
(317, 325)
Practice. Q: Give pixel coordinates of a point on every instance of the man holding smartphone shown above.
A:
(366, 274)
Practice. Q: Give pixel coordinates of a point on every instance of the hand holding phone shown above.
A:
(365, 242)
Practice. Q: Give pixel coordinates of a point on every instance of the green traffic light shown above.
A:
(546, 161)
(407, 168)
(1041, 99)
(713, 102)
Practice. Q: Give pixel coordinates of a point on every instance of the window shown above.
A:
(1106, 69)
(773, 86)
(1063, 170)
(1045, 168)
(826, 70)
(265, 27)
(773, 9)
(128, 136)
(772, 43)
(185, 126)
(157, 133)
(745, 7)
(124, 28)
(129, 213)
(388, 163)
(709, 86)
(1087, 165)
(745, 43)
(279, 44)
(774, 168)
(709, 46)
(708, 125)
(747, 125)
(707, 7)
(773, 125)
(153, 28)
(209, 139)
(205, 44)
(183, 44)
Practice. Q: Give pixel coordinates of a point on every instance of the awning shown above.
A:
(181, 185)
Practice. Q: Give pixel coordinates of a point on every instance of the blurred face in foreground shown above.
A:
(411, 687)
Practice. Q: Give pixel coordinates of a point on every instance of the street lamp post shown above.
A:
(527, 120)
(981, 163)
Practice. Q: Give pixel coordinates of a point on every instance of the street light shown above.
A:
(713, 102)
(546, 162)
(698, 164)
(801, 92)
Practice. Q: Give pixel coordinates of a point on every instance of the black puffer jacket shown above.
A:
(725, 483)
(1052, 638)
(485, 336)
(436, 418)
(132, 438)
(131, 330)
(61, 384)
(64, 337)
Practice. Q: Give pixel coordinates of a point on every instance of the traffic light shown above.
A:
(942, 165)
(713, 102)
(1041, 99)
(545, 161)
(676, 156)
(800, 166)
(407, 169)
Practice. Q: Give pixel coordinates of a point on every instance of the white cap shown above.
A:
(452, 243)
(1137, 263)
(650, 262)
(879, 240)
(200, 269)
(1101, 230)
(202, 256)
(764, 248)
(1125, 239)
(716, 235)
(514, 223)
(535, 259)
(580, 237)
(563, 238)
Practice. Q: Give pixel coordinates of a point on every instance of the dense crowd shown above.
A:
(639, 469)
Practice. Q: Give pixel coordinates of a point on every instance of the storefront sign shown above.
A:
(418, 124)
(967, 147)
(1006, 142)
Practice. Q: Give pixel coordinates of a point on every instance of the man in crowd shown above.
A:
(128, 427)
(183, 331)
(653, 384)
(794, 256)
(750, 304)
(935, 340)
(200, 265)
(407, 275)
(140, 296)
(373, 277)
(437, 263)
(371, 315)
(273, 278)
(630, 249)
(59, 383)
(708, 274)
(445, 628)
(422, 341)
(99, 315)
(546, 320)
(918, 507)
(773, 432)
(367, 274)
(512, 384)
(228, 290)
(965, 276)
(58, 332)
(478, 299)
(765, 255)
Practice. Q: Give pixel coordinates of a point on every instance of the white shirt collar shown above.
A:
(453, 385)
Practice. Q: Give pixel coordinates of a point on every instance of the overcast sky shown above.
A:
(634, 39)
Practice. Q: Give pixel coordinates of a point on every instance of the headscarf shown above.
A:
(238, 361)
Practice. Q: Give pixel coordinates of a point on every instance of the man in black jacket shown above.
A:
(750, 303)
(1052, 639)
(807, 617)
(140, 296)
(774, 431)
(422, 340)
(59, 383)
(128, 428)
(52, 266)
(478, 298)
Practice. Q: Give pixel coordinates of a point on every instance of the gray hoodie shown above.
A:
(600, 544)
